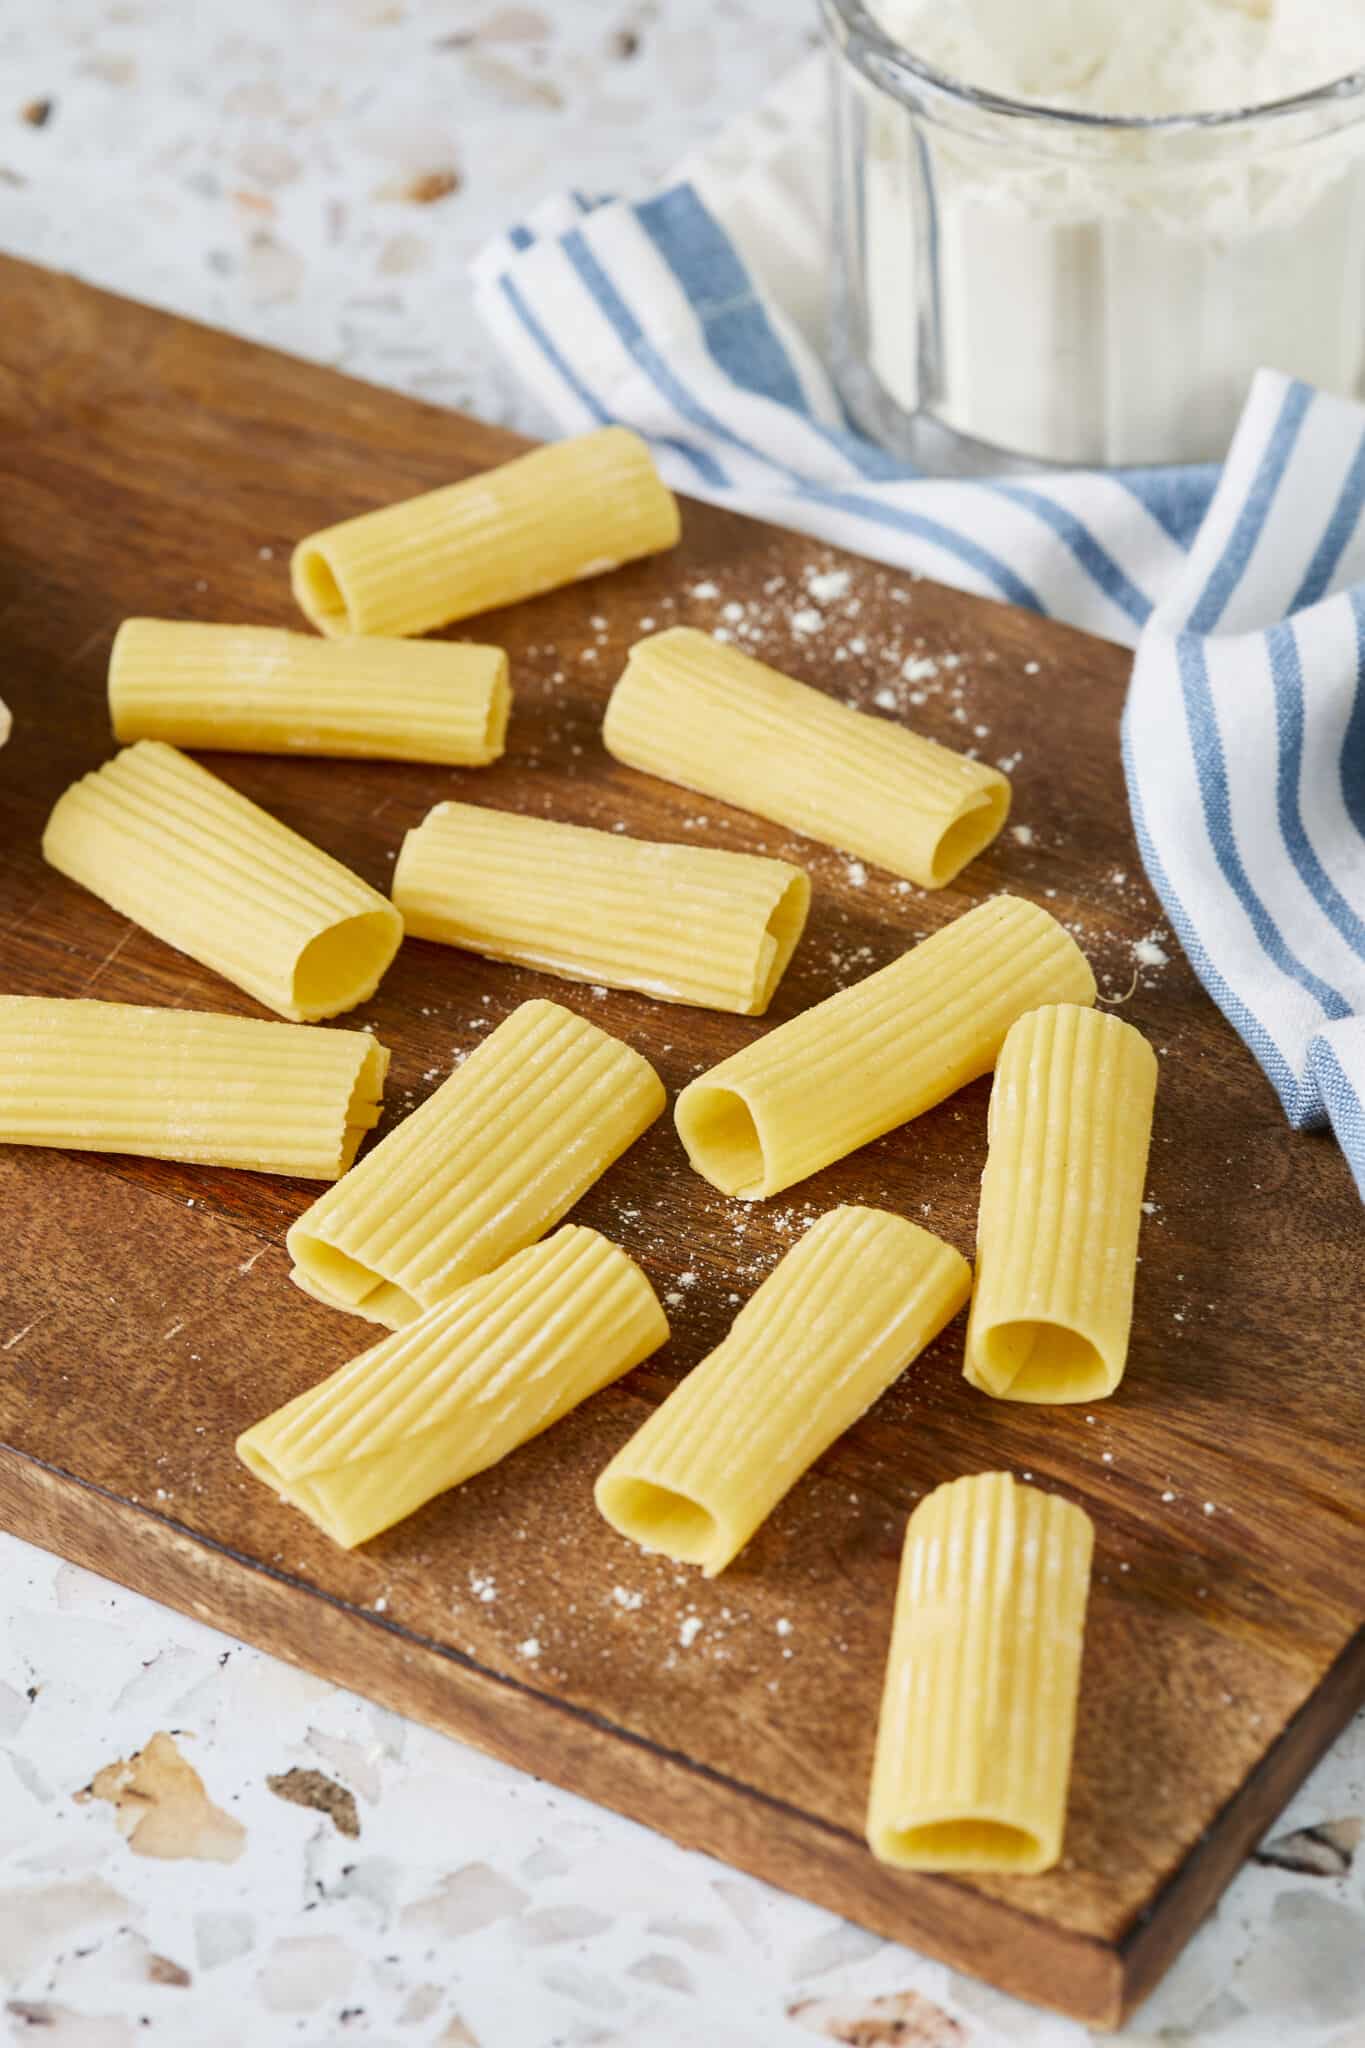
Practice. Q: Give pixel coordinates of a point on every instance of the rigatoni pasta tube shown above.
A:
(978, 1716)
(1061, 1202)
(690, 924)
(717, 721)
(260, 690)
(487, 1165)
(200, 866)
(185, 1084)
(569, 510)
(878, 1053)
(843, 1314)
(457, 1390)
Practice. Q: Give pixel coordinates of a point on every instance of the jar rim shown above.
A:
(895, 67)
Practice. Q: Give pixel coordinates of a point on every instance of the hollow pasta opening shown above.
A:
(334, 1275)
(718, 1129)
(781, 934)
(343, 964)
(257, 1463)
(970, 834)
(318, 591)
(963, 1845)
(499, 711)
(658, 1519)
(1042, 1361)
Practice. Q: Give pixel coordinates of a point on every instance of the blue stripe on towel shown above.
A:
(1280, 1075)
(707, 471)
(739, 334)
(1250, 522)
(1094, 559)
(1286, 677)
(1215, 795)
(1336, 535)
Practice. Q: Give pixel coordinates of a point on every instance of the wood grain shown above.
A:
(145, 1315)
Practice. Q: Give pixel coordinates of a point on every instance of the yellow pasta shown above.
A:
(878, 1053)
(259, 690)
(185, 1084)
(842, 1316)
(978, 1714)
(457, 1390)
(717, 721)
(487, 1165)
(1061, 1202)
(192, 861)
(689, 924)
(569, 510)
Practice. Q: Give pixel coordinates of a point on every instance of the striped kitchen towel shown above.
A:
(690, 316)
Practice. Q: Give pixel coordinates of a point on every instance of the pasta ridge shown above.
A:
(203, 868)
(978, 1712)
(716, 720)
(690, 924)
(1061, 1207)
(841, 1316)
(453, 1392)
(174, 1084)
(488, 1163)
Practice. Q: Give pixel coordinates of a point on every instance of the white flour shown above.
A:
(1109, 57)
(1102, 297)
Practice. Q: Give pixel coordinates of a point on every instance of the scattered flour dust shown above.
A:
(688, 1630)
(1149, 952)
(819, 606)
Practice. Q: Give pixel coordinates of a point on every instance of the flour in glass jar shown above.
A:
(1105, 294)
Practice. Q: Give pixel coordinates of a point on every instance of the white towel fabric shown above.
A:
(694, 316)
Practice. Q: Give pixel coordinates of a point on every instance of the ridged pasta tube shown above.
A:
(487, 1165)
(978, 1716)
(689, 924)
(1061, 1203)
(565, 511)
(827, 1332)
(879, 1053)
(704, 715)
(202, 867)
(260, 690)
(457, 1390)
(186, 1084)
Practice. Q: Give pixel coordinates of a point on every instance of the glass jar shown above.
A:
(1016, 285)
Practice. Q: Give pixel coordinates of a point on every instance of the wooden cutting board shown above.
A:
(145, 1314)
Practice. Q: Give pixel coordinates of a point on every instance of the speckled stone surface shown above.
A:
(315, 174)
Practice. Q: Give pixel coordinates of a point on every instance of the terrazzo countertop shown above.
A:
(198, 1844)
